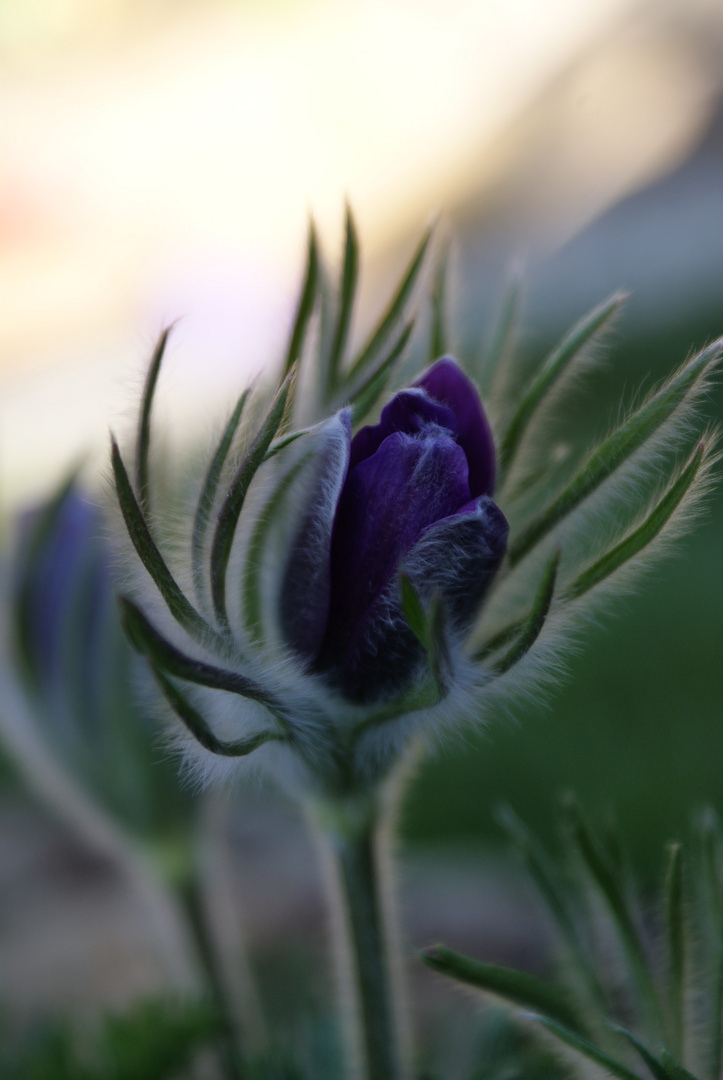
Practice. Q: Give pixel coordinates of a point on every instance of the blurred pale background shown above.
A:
(160, 159)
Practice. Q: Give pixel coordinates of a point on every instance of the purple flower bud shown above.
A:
(412, 492)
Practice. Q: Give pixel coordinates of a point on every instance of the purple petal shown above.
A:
(459, 556)
(306, 587)
(409, 411)
(447, 384)
(388, 501)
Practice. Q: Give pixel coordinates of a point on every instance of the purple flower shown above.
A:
(412, 492)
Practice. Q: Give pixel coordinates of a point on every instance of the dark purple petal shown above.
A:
(458, 556)
(447, 384)
(306, 586)
(388, 501)
(409, 411)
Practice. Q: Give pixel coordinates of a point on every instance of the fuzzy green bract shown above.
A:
(342, 590)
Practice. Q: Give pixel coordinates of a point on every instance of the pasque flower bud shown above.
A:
(414, 494)
(366, 588)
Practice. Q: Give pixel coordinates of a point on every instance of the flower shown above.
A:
(415, 494)
(327, 603)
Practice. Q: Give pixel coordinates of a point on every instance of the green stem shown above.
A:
(355, 843)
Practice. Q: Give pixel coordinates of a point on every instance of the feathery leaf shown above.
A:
(143, 439)
(209, 488)
(177, 603)
(532, 626)
(516, 987)
(394, 312)
(233, 503)
(347, 290)
(617, 449)
(637, 540)
(305, 308)
(551, 371)
(199, 727)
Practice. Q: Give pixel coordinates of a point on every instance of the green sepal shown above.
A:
(147, 640)
(347, 292)
(210, 487)
(143, 438)
(552, 369)
(252, 572)
(307, 301)
(639, 538)
(414, 612)
(430, 629)
(518, 988)
(199, 727)
(617, 449)
(532, 626)
(177, 603)
(588, 1050)
(675, 934)
(393, 313)
(233, 503)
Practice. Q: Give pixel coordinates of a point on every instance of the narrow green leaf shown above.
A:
(306, 303)
(639, 538)
(616, 449)
(199, 727)
(532, 626)
(505, 327)
(253, 569)
(280, 444)
(498, 640)
(547, 880)
(604, 877)
(372, 379)
(365, 401)
(675, 1069)
(516, 987)
(146, 639)
(710, 863)
(209, 488)
(552, 369)
(347, 291)
(179, 606)
(675, 932)
(394, 312)
(143, 438)
(439, 337)
(588, 1050)
(667, 1067)
(233, 503)
(413, 610)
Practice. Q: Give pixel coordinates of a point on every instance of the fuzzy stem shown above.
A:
(354, 842)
